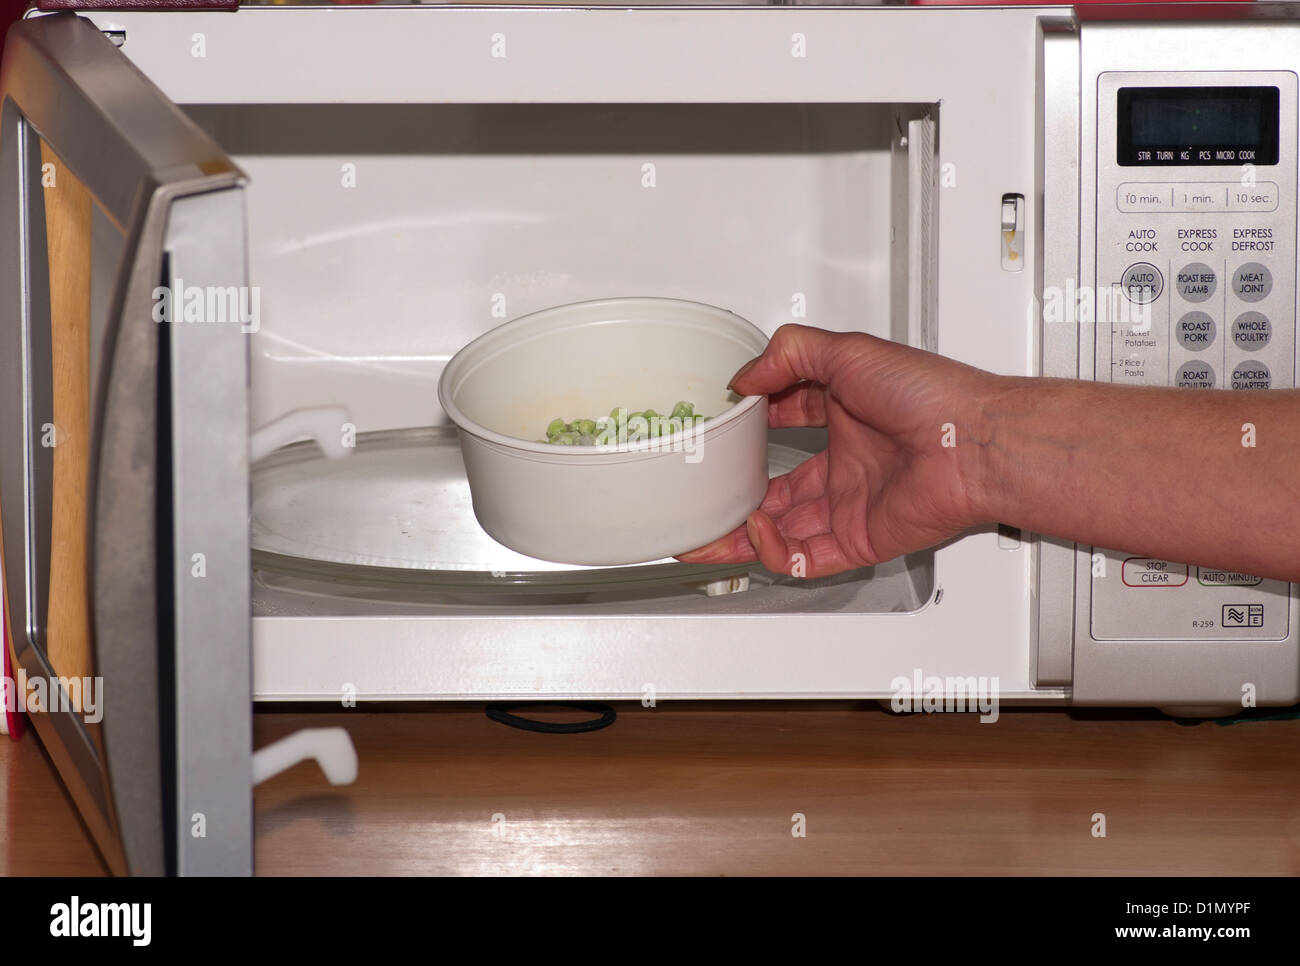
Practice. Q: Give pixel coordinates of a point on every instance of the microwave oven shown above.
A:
(346, 196)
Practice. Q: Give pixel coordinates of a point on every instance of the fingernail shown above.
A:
(742, 370)
(751, 528)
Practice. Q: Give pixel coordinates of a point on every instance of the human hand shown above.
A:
(902, 470)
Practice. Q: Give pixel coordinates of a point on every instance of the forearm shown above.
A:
(1203, 477)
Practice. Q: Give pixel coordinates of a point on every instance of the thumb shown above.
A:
(796, 353)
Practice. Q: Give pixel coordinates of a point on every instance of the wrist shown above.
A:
(986, 466)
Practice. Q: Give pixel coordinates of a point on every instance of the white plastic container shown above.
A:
(609, 505)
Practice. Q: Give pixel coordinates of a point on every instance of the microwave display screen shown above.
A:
(1197, 125)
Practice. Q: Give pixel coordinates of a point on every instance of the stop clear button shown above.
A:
(1149, 572)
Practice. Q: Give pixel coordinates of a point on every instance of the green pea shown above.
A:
(620, 425)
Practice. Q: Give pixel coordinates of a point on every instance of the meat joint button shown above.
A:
(1252, 282)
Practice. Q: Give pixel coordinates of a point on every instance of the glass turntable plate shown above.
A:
(398, 512)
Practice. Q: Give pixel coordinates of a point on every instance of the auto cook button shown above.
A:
(1142, 283)
(1150, 572)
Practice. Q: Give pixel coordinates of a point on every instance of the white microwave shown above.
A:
(367, 189)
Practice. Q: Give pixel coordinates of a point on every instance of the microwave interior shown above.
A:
(383, 238)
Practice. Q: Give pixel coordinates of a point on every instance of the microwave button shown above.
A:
(1252, 282)
(1251, 375)
(1257, 197)
(1252, 331)
(1132, 196)
(1150, 572)
(1196, 282)
(1201, 197)
(1195, 375)
(1209, 577)
(1142, 283)
(1196, 331)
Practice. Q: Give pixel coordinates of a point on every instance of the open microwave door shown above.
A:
(124, 451)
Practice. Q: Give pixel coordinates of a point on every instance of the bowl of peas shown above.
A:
(603, 433)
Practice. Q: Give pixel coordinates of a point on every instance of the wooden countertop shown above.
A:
(711, 789)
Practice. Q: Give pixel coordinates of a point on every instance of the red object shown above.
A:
(13, 719)
(10, 12)
(1041, 3)
(138, 4)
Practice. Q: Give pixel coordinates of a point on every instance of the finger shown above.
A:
(805, 520)
(800, 405)
(733, 547)
(805, 482)
(818, 556)
(797, 353)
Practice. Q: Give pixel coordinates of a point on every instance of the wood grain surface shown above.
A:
(68, 214)
(711, 790)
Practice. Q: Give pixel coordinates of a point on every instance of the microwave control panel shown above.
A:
(1196, 288)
